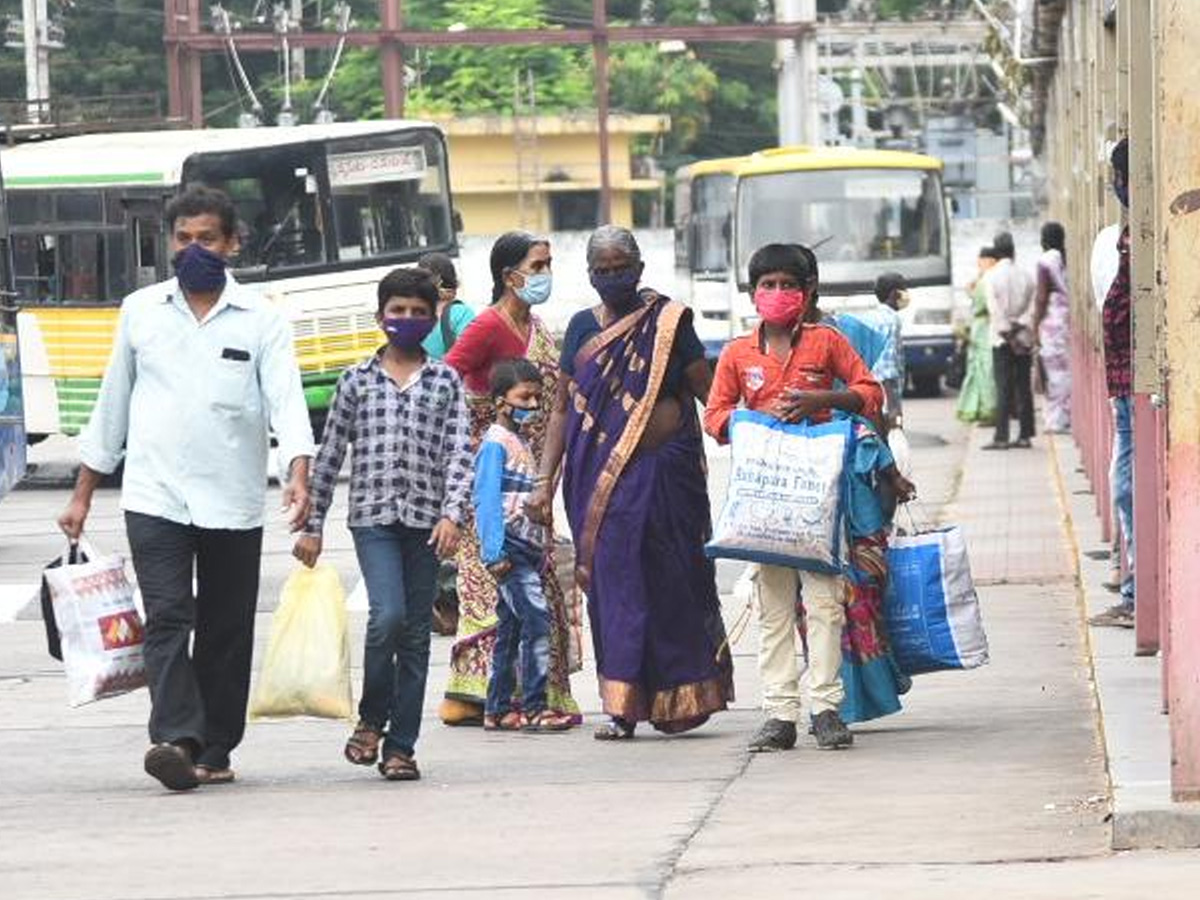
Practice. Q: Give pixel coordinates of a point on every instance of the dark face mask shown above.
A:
(618, 290)
(199, 270)
(1121, 189)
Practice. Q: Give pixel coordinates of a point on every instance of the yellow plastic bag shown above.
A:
(307, 668)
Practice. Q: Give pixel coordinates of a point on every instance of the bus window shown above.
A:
(276, 195)
(388, 199)
(85, 267)
(712, 206)
(683, 218)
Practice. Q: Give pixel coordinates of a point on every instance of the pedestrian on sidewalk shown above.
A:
(410, 482)
(626, 430)
(1010, 315)
(875, 334)
(977, 395)
(202, 369)
(513, 546)
(787, 368)
(522, 280)
(453, 317)
(1118, 368)
(1052, 328)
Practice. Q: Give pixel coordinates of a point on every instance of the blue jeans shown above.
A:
(1121, 474)
(524, 626)
(400, 570)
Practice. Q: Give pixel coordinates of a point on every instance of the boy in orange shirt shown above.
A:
(788, 368)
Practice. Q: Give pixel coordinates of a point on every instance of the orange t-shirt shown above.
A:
(749, 375)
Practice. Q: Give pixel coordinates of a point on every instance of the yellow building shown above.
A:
(543, 173)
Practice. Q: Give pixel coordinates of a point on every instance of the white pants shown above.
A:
(777, 666)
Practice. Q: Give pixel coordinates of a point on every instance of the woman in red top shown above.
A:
(509, 329)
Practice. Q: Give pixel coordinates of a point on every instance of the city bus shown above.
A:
(864, 212)
(12, 419)
(704, 197)
(324, 211)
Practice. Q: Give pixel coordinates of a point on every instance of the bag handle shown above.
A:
(922, 512)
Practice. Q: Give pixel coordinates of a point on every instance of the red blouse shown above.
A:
(489, 339)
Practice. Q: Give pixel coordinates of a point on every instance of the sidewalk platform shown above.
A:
(1129, 689)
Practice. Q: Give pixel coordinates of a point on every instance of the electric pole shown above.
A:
(796, 58)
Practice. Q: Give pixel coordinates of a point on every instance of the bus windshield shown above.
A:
(861, 222)
(377, 197)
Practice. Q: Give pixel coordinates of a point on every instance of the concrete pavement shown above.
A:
(990, 782)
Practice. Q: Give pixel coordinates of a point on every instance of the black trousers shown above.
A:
(197, 698)
(1014, 391)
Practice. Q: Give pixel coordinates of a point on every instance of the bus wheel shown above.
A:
(928, 384)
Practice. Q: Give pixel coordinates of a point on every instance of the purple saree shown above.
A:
(640, 520)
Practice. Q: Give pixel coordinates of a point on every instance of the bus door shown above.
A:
(146, 241)
(12, 419)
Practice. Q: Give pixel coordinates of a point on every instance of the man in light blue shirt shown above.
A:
(202, 370)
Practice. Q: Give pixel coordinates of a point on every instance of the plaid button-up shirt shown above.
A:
(412, 457)
(1118, 326)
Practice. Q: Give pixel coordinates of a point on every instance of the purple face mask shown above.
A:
(618, 290)
(407, 333)
(199, 270)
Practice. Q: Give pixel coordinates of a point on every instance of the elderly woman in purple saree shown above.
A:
(627, 432)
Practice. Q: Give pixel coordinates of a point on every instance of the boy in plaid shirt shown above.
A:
(410, 482)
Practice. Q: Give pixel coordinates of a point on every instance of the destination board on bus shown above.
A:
(376, 166)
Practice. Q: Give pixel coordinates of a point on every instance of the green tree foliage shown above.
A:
(112, 47)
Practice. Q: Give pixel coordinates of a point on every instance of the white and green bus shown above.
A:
(324, 210)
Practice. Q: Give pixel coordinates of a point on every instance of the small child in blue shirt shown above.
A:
(513, 548)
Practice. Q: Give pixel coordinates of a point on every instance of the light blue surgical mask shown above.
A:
(536, 289)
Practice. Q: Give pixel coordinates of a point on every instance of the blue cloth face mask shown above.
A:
(522, 417)
(199, 270)
(407, 333)
(618, 289)
(536, 289)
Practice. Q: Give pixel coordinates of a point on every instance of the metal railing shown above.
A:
(20, 119)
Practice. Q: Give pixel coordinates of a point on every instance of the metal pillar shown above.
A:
(185, 97)
(799, 116)
(391, 52)
(37, 60)
(1179, 114)
(600, 53)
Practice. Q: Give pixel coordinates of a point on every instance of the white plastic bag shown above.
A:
(898, 443)
(307, 668)
(102, 633)
(784, 506)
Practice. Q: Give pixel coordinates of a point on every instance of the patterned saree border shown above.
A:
(672, 709)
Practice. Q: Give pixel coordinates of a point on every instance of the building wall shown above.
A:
(492, 166)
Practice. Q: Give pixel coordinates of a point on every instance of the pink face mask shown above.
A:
(780, 306)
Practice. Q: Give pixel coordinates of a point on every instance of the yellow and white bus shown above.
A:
(864, 212)
(324, 211)
(704, 196)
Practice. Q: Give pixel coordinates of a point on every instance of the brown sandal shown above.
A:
(398, 767)
(362, 749)
(510, 721)
(548, 721)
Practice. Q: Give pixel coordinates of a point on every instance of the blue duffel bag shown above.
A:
(930, 604)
